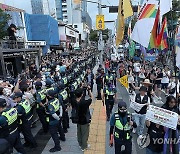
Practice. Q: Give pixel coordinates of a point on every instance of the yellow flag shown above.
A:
(124, 11)
(124, 81)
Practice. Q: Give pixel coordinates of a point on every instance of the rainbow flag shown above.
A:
(148, 11)
(164, 44)
(154, 32)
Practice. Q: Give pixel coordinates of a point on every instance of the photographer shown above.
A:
(120, 129)
(84, 117)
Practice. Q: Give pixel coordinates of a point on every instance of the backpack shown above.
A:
(74, 115)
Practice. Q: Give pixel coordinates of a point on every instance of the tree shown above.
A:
(172, 16)
(94, 35)
(4, 18)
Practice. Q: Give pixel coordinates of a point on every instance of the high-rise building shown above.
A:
(37, 6)
(59, 13)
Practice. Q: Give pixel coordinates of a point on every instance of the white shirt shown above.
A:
(165, 78)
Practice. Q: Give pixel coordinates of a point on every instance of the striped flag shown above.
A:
(154, 33)
(164, 44)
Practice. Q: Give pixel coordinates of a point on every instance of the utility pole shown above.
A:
(100, 42)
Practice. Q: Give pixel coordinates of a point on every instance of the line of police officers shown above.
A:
(52, 105)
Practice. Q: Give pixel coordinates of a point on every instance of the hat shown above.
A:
(122, 104)
(38, 84)
(2, 102)
(143, 88)
(51, 93)
(18, 94)
(147, 81)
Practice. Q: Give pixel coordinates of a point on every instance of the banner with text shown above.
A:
(162, 117)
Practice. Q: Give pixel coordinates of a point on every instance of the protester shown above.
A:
(143, 99)
(84, 118)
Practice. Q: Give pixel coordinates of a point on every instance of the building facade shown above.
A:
(37, 6)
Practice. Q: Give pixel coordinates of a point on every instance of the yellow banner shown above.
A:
(124, 11)
(124, 81)
(100, 22)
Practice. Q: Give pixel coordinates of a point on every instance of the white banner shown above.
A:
(162, 117)
(136, 106)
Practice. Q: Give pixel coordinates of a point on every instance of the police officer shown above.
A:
(120, 129)
(25, 119)
(41, 104)
(54, 116)
(9, 127)
(64, 101)
(109, 95)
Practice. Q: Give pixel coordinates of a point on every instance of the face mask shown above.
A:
(122, 114)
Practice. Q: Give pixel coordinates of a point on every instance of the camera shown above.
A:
(128, 118)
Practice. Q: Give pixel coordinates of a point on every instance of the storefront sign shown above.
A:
(162, 117)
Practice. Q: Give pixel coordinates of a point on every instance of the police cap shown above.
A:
(51, 93)
(18, 94)
(38, 84)
(2, 102)
(122, 104)
(48, 83)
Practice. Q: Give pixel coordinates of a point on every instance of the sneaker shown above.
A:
(82, 150)
(54, 149)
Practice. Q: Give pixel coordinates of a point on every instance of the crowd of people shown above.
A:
(149, 84)
(46, 93)
(65, 83)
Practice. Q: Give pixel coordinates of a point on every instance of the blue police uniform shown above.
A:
(122, 133)
(109, 99)
(54, 124)
(25, 117)
(9, 129)
(64, 100)
(41, 98)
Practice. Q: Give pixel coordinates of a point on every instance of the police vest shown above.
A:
(11, 115)
(27, 107)
(64, 94)
(78, 80)
(42, 94)
(107, 77)
(121, 132)
(65, 80)
(74, 85)
(111, 78)
(56, 106)
(109, 93)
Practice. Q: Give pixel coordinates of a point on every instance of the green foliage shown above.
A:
(4, 18)
(172, 16)
(94, 35)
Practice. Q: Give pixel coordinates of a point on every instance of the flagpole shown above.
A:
(173, 51)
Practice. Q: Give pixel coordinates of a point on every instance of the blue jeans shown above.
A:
(140, 121)
(148, 151)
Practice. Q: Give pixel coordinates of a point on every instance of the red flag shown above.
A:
(160, 35)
